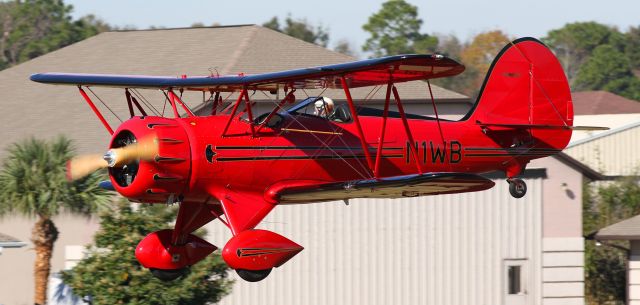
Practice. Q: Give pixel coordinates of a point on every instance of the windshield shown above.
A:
(321, 107)
(301, 106)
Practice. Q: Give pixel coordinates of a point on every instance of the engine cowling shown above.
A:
(166, 177)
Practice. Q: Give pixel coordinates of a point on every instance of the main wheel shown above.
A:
(167, 275)
(517, 187)
(253, 275)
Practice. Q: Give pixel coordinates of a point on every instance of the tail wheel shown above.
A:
(517, 187)
(253, 275)
(167, 275)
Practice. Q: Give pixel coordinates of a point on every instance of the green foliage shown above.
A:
(598, 57)
(395, 29)
(605, 279)
(110, 274)
(608, 69)
(34, 27)
(32, 181)
(605, 269)
(463, 83)
(632, 46)
(574, 43)
(343, 46)
(301, 29)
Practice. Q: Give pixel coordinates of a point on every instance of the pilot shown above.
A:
(324, 107)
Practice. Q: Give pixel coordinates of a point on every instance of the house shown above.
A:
(484, 247)
(602, 108)
(475, 248)
(628, 230)
(610, 152)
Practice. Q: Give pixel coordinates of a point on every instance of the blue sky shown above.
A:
(345, 18)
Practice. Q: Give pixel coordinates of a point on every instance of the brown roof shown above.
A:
(602, 102)
(45, 111)
(628, 229)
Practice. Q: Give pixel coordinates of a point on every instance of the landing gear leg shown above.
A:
(517, 187)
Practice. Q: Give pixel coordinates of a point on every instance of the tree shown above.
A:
(632, 47)
(395, 29)
(33, 183)
(608, 69)
(574, 43)
(463, 83)
(481, 52)
(301, 29)
(110, 274)
(31, 28)
(605, 281)
(477, 57)
(344, 46)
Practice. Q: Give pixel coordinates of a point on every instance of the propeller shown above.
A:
(81, 166)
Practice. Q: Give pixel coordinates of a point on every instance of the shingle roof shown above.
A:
(10, 241)
(45, 111)
(602, 102)
(628, 229)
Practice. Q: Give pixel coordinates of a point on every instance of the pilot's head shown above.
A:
(324, 107)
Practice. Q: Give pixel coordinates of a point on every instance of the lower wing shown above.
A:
(392, 187)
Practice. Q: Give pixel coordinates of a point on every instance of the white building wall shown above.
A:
(16, 265)
(563, 245)
(437, 250)
(563, 271)
(613, 154)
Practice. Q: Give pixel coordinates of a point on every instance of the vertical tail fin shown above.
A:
(526, 86)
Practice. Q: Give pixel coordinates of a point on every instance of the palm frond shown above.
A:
(32, 181)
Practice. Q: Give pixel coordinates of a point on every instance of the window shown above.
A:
(514, 280)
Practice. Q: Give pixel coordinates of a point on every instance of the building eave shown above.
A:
(12, 244)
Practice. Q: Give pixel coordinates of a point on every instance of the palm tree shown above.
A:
(33, 183)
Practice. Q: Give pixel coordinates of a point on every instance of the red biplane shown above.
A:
(236, 167)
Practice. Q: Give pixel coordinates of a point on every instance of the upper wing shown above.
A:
(370, 72)
(393, 187)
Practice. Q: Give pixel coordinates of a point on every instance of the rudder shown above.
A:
(526, 85)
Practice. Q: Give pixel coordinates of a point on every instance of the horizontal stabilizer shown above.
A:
(392, 187)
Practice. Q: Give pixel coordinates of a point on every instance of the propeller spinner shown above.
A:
(144, 149)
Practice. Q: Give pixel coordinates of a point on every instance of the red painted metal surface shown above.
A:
(435, 110)
(244, 209)
(249, 113)
(354, 113)
(233, 112)
(259, 250)
(192, 216)
(175, 100)
(129, 102)
(168, 174)
(220, 164)
(95, 110)
(385, 114)
(289, 98)
(216, 100)
(157, 251)
(135, 102)
(407, 129)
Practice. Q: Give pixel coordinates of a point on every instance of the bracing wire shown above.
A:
(105, 105)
